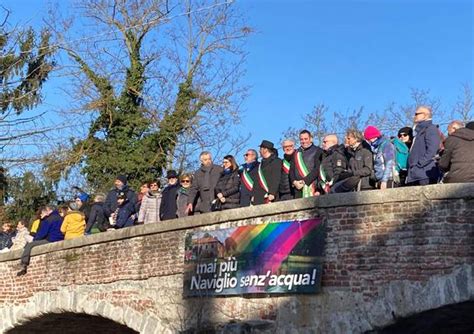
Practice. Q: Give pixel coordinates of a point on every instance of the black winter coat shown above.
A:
(271, 168)
(361, 164)
(312, 157)
(458, 157)
(168, 206)
(246, 194)
(6, 240)
(334, 163)
(111, 200)
(202, 193)
(286, 189)
(229, 186)
(97, 218)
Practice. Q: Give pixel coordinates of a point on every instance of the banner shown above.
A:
(270, 258)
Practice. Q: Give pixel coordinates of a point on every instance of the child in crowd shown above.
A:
(74, 223)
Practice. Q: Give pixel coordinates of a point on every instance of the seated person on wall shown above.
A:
(6, 237)
(361, 166)
(458, 157)
(36, 221)
(124, 214)
(333, 163)
(74, 223)
(265, 189)
(151, 202)
(97, 222)
(384, 157)
(22, 236)
(169, 195)
(49, 231)
(228, 186)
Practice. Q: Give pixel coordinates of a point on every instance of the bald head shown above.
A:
(329, 141)
(453, 126)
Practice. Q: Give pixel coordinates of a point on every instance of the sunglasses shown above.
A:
(185, 181)
(402, 135)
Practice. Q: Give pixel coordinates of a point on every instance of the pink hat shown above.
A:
(371, 132)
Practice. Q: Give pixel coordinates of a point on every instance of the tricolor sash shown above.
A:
(325, 184)
(262, 180)
(310, 190)
(247, 180)
(285, 166)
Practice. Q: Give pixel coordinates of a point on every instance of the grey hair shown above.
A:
(356, 134)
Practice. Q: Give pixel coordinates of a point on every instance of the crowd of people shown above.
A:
(418, 155)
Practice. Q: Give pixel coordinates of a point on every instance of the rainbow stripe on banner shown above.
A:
(276, 257)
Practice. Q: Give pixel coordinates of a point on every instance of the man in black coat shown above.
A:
(120, 184)
(97, 218)
(287, 191)
(361, 166)
(333, 163)
(458, 157)
(305, 166)
(169, 195)
(265, 189)
(204, 183)
(248, 176)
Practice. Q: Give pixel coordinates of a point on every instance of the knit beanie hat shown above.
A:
(371, 132)
(83, 197)
(122, 178)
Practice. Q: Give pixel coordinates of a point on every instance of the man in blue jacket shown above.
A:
(49, 231)
(422, 168)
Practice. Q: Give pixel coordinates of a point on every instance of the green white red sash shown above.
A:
(286, 166)
(325, 184)
(262, 180)
(310, 190)
(247, 180)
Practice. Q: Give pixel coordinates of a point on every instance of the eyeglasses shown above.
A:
(185, 181)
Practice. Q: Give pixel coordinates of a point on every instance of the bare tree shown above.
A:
(160, 82)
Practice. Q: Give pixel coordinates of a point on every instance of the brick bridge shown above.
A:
(390, 255)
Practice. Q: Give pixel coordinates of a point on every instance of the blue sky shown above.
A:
(342, 53)
(348, 54)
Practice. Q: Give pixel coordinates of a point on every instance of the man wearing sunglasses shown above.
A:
(248, 175)
(422, 168)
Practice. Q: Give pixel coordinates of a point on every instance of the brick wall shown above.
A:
(373, 240)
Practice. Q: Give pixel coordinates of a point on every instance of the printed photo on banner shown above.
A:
(271, 258)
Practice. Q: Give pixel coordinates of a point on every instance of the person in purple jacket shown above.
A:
(49, 231)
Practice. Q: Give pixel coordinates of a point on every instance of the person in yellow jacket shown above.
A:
(74, 223)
